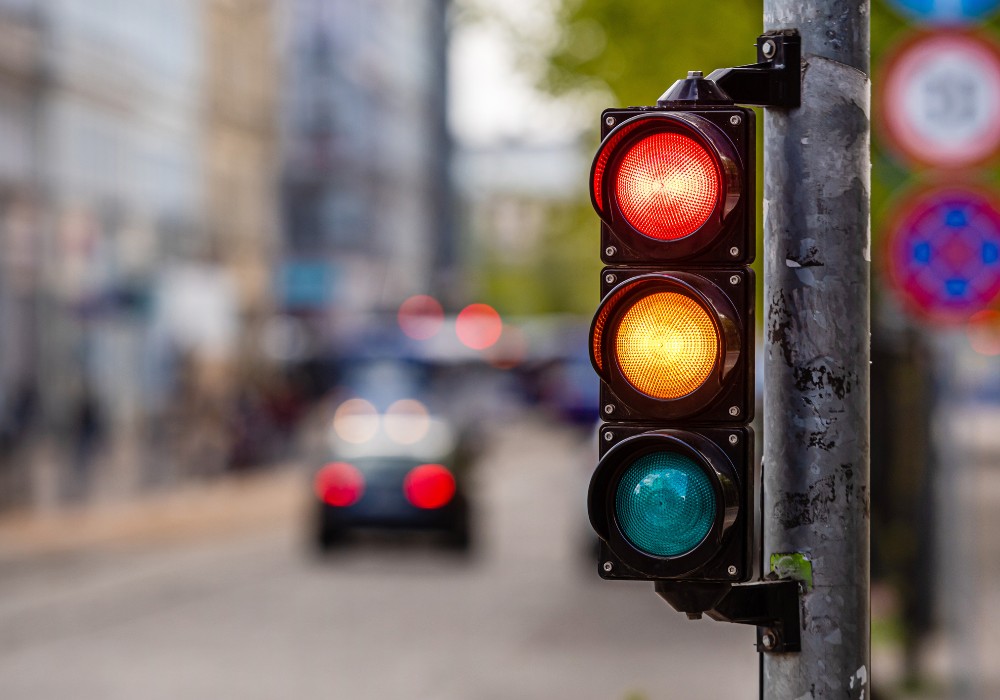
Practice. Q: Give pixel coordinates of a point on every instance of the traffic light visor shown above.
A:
(665, 504)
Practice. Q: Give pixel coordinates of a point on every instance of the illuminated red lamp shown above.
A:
(339, 484)
(478, 326)
(666, 185)
(420, 317)
(429, 486)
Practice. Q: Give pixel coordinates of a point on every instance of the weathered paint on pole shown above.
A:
(816, 366)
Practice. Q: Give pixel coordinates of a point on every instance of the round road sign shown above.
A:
(944, 253)
(940, 100)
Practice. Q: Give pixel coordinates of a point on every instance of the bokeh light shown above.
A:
(339, 484)
(420, 317)
(429, 486)
(406, 421)
(984, 332)
(510, 350)
(478, 326)
(356, 421)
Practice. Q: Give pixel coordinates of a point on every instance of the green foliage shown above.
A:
(608, 53)
(560, 278)
(636, 50)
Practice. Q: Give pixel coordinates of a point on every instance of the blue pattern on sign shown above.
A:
(946, 11)
(956, 287)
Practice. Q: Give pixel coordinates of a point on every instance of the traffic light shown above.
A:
(672, 498)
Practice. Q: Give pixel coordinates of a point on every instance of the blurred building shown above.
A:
(137, 207)
(241, 147)
(21, 80)
(365, 171)
(529, 247)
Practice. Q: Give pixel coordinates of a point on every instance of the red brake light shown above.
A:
(429, 486)
(667, 185)
(339, 484)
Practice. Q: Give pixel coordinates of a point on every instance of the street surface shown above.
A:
(179, 600)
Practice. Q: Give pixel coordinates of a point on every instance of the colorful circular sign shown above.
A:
(944, 12)
(940, 100)
(944, 253)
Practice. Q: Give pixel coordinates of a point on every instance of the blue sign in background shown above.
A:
(946, 11)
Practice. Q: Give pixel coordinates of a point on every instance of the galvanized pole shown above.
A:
(816, 295)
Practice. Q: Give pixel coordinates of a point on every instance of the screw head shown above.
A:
(609, 408)
(610, 251)
(735, 279)
(733, 439)
(768, 49)
(610, 121)
(607, 566)
(733, 410)
(735, 120)
(609, 278)
(732, 570)
(734, 251)
(609, 436)
(769, 640)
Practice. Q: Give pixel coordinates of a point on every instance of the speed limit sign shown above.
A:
(940, 100)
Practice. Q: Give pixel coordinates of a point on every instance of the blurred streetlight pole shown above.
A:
(816, 291)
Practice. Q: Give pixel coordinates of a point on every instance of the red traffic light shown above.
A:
(668, 184)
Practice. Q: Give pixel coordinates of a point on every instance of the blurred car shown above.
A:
(390, 463)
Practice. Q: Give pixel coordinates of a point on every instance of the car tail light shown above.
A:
(429, 486)
(339, 484)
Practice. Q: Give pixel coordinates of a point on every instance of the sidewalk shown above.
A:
(227, 504)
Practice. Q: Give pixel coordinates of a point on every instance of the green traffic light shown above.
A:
(665, 504)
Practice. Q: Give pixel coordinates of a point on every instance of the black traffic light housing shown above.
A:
(673, 337)
(728, 553)
(729, 133)
(728, 394)
(674, 498)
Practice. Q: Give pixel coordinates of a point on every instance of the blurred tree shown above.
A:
(636, 50)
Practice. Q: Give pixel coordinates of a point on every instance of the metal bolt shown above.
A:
(769, 640)
(732, 570)
(610, 251)
(768, 49)
(609, 278)
(609, 436)
(733, 410)
(734, 251)
(609, 408)
(607, 566)
(735, 279)
(735, 120)
(733, 439)
(695, 74)
(610, 121)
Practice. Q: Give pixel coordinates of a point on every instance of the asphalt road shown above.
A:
(249, 612)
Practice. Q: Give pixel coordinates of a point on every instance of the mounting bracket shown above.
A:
(775, 80)
(772, 605)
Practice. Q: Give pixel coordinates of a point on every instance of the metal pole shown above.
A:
(816, 295)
